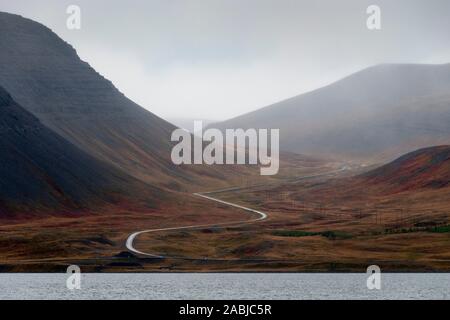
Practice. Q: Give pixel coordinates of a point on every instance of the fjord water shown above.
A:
(226, 286)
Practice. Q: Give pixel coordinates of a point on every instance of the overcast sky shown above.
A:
(216, 59)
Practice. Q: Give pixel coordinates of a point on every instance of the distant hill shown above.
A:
(378, 113)
(424, 168)
(41, 171)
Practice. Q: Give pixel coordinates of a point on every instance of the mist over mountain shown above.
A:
(188, 124)
(377, 113)
(46, 76)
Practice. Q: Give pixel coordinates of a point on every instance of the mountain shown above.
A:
(378, 113)
(45, 75)
(423, 168)
(41, 171)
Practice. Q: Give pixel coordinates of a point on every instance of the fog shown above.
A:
(215, 59)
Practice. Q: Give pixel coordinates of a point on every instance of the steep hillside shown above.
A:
(40, 171)
(380, 112)
(46, 76)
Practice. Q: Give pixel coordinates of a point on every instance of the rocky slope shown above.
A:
(41, 171)
(46, 76)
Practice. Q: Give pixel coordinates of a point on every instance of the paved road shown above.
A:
(206, 195)
(132, 237)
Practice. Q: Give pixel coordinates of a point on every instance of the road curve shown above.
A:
(204, 195)
(132, 237)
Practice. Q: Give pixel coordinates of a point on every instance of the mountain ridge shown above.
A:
(333, 120)
(45, 75)
(424, 168)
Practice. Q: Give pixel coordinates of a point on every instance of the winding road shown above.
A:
(132, 237)
(206, 195)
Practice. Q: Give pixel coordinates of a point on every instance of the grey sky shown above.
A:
(217, 59)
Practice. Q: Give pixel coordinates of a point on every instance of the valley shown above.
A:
(324, 224)
(87, 177)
